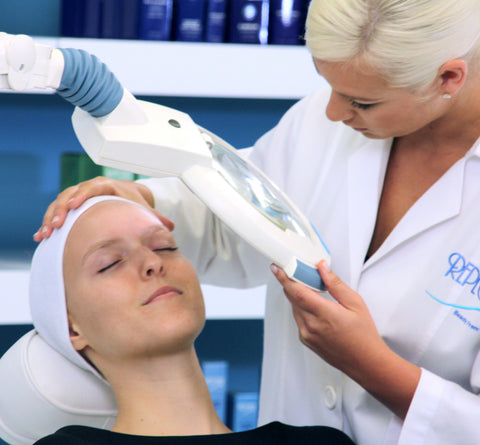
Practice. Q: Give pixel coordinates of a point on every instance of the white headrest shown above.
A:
(42, 391)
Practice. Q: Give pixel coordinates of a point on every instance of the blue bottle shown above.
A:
(72, 18)
(215, 21)
(155, 21)
(249, 21)
(216, 377)
(287, 22)
(130, 19)
(92, 22)
(111, 26)
(244, 411)
(189, 20)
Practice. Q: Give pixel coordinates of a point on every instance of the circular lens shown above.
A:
(257, 189)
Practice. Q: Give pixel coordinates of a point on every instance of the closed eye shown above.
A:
(360, 105)
(104, 269)
(168, 249)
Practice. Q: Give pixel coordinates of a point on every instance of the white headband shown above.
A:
(47, 291)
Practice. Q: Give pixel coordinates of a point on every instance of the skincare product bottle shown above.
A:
(92, 19)
(287, 22)
(249, 21)
(155, 21)
(111, 24)
(244, 411)
(216, 376)
(189, 19)
(130, 19)
(72, 18)
(215, 21)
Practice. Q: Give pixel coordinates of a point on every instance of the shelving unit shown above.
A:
(203, 69)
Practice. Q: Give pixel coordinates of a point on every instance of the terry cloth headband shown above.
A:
(47, 291)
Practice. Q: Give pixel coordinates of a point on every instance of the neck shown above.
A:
(165, 396)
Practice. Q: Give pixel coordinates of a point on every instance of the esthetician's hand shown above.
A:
(343, 333)
(73, 197)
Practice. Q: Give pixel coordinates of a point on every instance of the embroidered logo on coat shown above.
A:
(466, 275)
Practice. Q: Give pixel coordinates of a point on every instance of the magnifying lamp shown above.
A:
(167, 142)
(117, 130)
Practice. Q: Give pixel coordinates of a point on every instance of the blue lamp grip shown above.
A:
(309, 276)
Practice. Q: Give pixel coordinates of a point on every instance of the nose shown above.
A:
(151, 264)
(339, 108)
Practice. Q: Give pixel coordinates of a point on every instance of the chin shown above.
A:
(368, 134)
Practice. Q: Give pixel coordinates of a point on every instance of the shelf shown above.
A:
(153, 68)
(220, 303)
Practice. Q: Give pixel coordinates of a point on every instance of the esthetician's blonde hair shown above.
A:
(406, 41)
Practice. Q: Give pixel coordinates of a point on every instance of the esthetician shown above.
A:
(385, 163)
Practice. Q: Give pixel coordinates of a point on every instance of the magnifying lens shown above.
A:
(167, 142)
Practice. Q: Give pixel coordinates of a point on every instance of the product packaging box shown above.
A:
(216, 375)
(244, 411)
(78, 167)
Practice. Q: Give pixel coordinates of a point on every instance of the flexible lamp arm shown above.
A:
(79, 77)
(87, 83)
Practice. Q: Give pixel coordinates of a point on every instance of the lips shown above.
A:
(163, 293)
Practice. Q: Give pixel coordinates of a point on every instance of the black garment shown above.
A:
(274, 433)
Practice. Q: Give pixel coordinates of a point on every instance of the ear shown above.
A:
(452, 75)
(79, 342)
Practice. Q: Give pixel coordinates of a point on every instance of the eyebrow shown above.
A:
(98, 246)
(103, 244)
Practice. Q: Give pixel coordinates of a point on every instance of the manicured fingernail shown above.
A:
(55, 219)
(274, 269)
(44, 229)
(324, 266)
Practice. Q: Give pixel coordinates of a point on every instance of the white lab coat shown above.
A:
(422, 286)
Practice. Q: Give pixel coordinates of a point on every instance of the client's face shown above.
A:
(129, 290)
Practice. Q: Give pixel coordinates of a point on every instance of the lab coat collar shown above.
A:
(439, 203)
(366, 172)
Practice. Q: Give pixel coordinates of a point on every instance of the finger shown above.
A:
(51, 219)
(340, 291)
(71, 198)
(168, 223)
(42, 233)
(56, 213)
